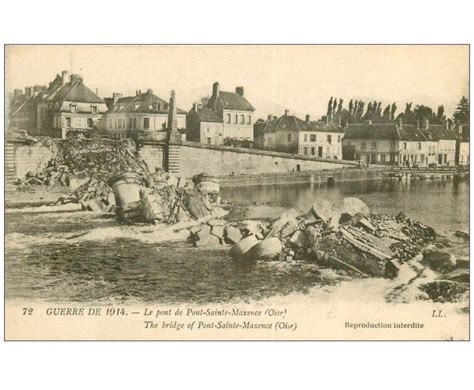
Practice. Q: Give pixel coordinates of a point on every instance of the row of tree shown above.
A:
(358, 111)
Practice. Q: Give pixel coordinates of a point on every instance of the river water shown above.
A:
(86, 257)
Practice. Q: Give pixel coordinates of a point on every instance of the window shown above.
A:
(404, 146)
(305, 150)
(134, 123)
(329, 139)
(339, 139)
(374, 145)
(242, 119)
(313, 150)
(130, 122)
(419, 145)
(362, 145)
(208, 129)
(236, 119)
(146, 123)
(89, 122)
(249, 120)
(305, 138)
(68, 122)
(94, 109)
(289, 137)
(312, 137)
(392, 145)
(228, 118)
(73, 108)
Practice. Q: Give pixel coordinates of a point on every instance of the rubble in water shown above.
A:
(347, 238)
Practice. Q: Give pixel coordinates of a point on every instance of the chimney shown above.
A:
(427, 123)
(449, 124)
(17, 93)
(64, 77)
(339, 121)
(29, 91)
(400, 123)
(195, 106)
(215, 90)
(76, 78)
(149, 90)
(239, 91)
(173, 135)
(307, 117)
(97, 91)
(287, 111)
(116, 96)
(269, 117)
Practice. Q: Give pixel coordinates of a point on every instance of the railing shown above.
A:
(460, 168)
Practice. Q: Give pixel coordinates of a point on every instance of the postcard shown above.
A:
(237, 192)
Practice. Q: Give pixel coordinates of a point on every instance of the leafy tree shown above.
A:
(461, 113)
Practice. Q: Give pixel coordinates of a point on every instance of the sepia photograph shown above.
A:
(237, 192)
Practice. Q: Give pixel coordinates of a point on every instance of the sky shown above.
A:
(298, 78)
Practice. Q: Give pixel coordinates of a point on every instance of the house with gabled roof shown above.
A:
(233, 110)
(75, 108)
(144, 112)
(388, 143)
(446, 142)
(66, 105)
(290, 134)
(204, 125)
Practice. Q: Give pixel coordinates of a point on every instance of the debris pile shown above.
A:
(346, 237)
(111, 178)
(85, 159)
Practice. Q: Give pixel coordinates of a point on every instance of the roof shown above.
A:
(287, 123)
(206, 114)
(75, 92)
(327, 127)
(386, 131)
(411, 133)
(145, 103)
(231, 101)
(439, 132)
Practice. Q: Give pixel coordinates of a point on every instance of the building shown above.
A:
(462, 145)
(446, 142)
(74, 107)
(388, 143)
(231, 109)
(204, 125)
(144, 112)
(369, 143)
(323, 140)
(65, 106)
(290, 134)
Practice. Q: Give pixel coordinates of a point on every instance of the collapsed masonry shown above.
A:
(347, 238)
(111, 178)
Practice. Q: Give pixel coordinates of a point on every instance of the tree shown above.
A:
(339, 107)
(461, 113)
(392, 111)
(440, 115)
(203, 100)
(329, 108)
(351, 106)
